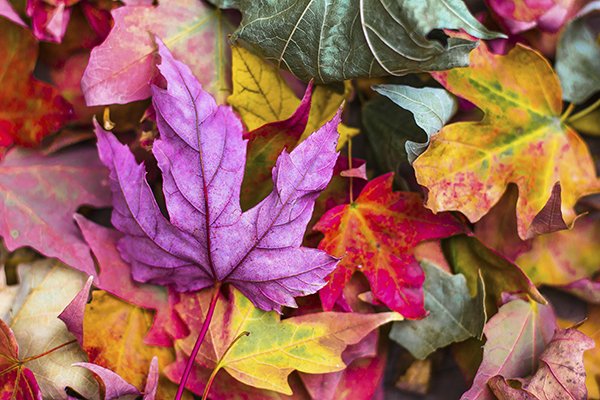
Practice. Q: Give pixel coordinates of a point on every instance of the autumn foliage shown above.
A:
(299, 199)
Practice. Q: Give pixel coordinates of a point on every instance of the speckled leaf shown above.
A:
(521, 139)
(46, 288)
(207, 238)
(453, 316)
(310, 343)
(31, 109)
(376, 235)
(120, 69)
(560, 375)
(578, 56)
(39, 195)
(431, 108)
(345, 39)
(516, 337)
(468, 256)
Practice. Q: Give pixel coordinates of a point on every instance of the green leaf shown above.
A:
(431, 108)
(578, 58)
(454, 315)
(468, 256)
(343, 39)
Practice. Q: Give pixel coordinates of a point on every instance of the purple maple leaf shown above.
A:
(208, 239)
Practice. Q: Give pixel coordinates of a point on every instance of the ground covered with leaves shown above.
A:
(299, 199)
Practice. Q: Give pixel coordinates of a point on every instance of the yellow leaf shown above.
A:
(521, 139)
(261, 96)
(310, 343)
(113, 337)
(591, 358)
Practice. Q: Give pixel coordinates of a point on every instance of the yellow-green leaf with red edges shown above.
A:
(521, 139)
(113, 337)
(29, 109)
(377, 234)
(311, 343)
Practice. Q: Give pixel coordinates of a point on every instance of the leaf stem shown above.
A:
(218, 366)
(586, 111)
(26, 360)
(190, 363)
(351, 183)
(567, 112)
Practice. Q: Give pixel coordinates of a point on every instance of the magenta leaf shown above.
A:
(201, 153)
(39, 196)
(72, 315)
(114, 384)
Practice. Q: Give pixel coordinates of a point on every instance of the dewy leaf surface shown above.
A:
(208, 239)
(376, 235)
(521, 139)
(516, 337)
(311, 343)
(39, 196)
(453, 316)
(432, 108)
(120, 69)
(30, 109)
(345, 39)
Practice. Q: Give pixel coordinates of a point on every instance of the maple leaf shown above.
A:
(274, 348)
(120, 69)
(16, 380)
(516, 337)
(114, 276)
(522, 139)
(376, 235)
(39, 195)
(208, 239)
(561, 373)
(31, 109)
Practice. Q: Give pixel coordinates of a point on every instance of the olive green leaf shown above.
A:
(454, 315)
(332, 41)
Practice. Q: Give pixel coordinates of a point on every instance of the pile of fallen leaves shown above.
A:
(299, 199)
